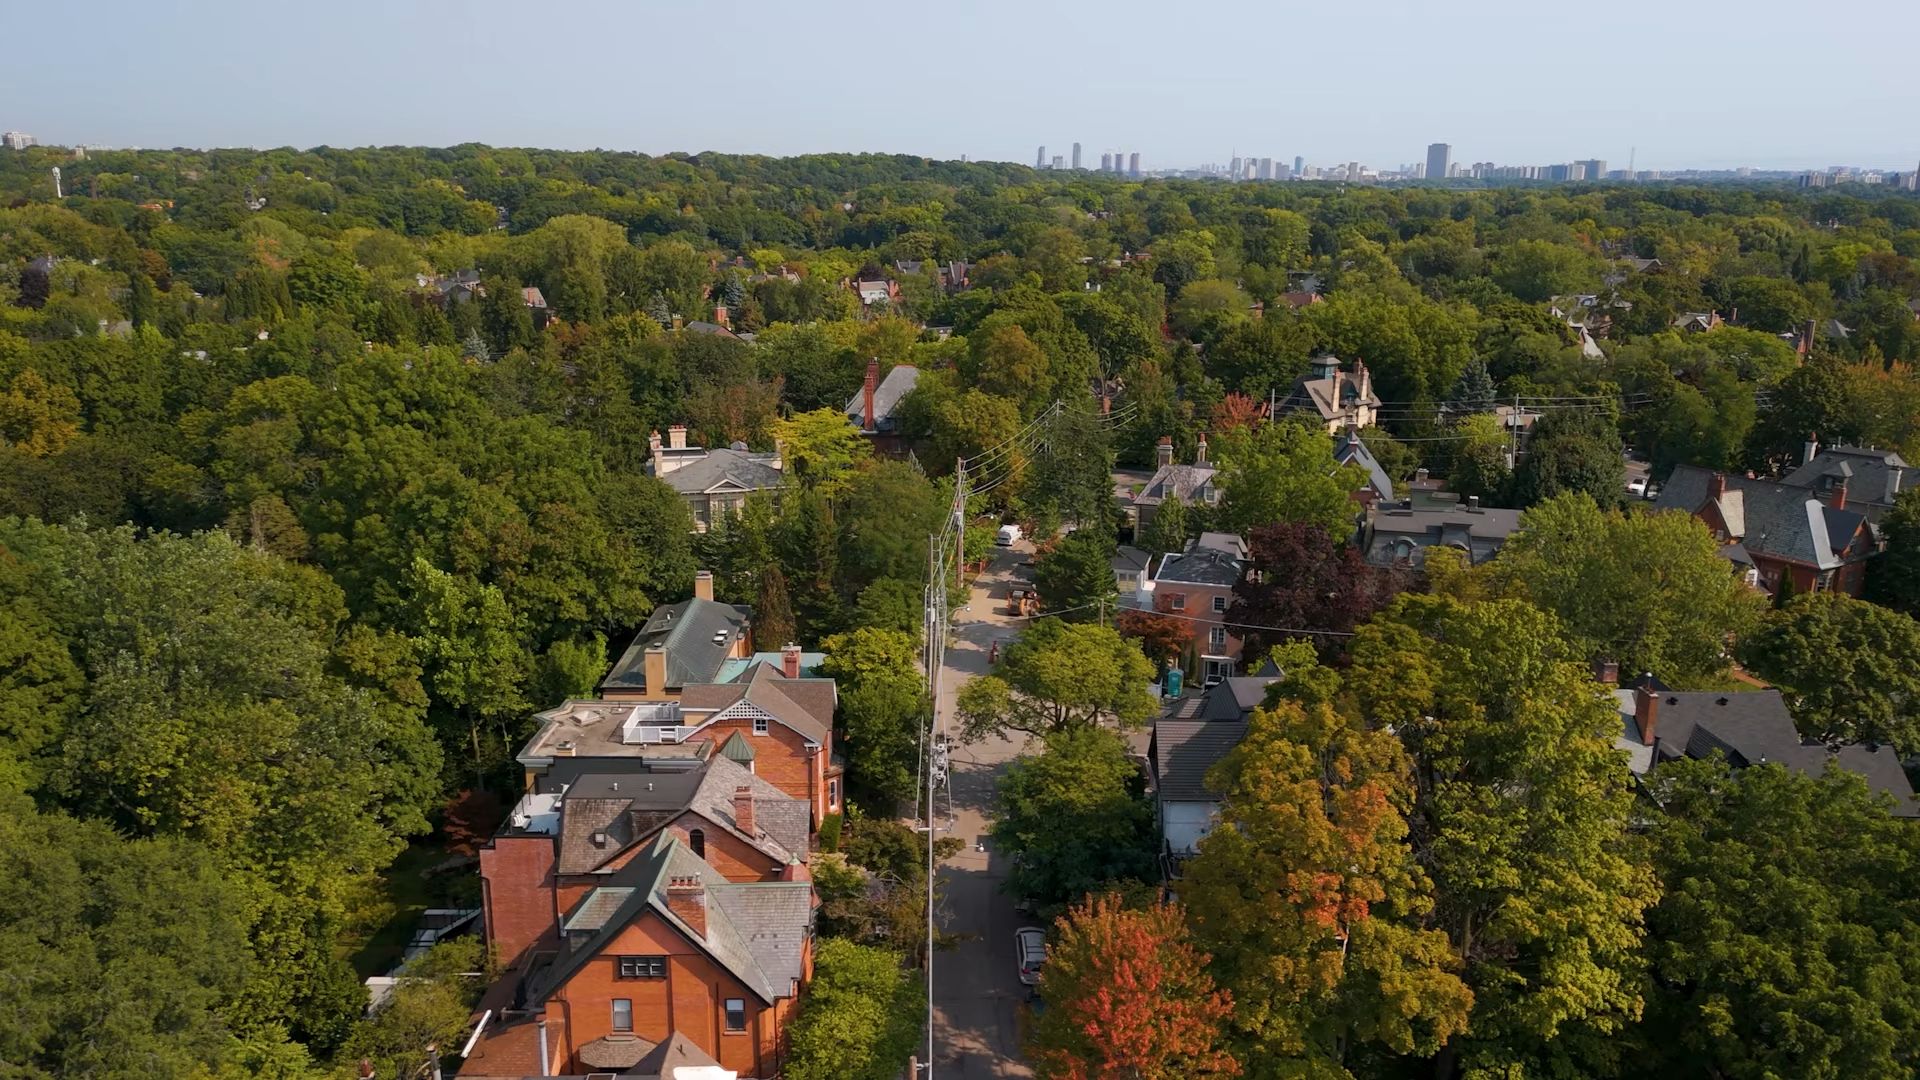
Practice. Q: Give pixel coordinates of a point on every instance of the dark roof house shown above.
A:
(1348, 449)
(1191, 484)
(871, 410)
(1399, 535)
(1192, 734)
(697, 637)
(1873, 478)
(1819, 538)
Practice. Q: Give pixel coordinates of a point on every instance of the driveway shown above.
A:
(978, 1001)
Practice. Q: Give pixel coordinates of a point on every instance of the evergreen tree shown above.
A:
(1474, 391)
(773, 614)
(1169, 529)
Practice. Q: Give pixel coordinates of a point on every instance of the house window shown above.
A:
(1219, 604)
(833, 794)
(1217, 638)
(697, 840)
(736, 1014)
(760, 725)
(623, 1014)
(1177, 601)
(643, 967)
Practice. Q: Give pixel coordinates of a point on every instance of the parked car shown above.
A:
(1030, 949)
(1008, 535)
(1637, 487)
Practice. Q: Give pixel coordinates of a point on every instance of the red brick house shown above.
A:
(1774, 532)
(1197, 586)
(663, 949)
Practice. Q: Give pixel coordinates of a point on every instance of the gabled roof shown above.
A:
(756, 931)
(1350, 450)
(710, 328)
(606, 810)
(1872, 476)
(1183, 752)
(1129, 560)
(804, 705)
(661, 1063)
(725, 470)
(1767, 517)
(898, 383)
(698, 635)
(1182, 481)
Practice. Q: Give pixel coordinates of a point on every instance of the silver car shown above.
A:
(1030, 949)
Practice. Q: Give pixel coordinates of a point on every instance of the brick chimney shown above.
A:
(1716, 485)
(687, 898)
(677, 437)
(1811, 449)
(1837, 494)
(1646, 710)
(1163, 453)
(1364, 377)
(743, 809)
(1339, 382)
(790, 660)
(656, 670)
(1200, 451)
(1606, 672)
(873, 383)
(720, 316)
(366, 1069)
(703, 584)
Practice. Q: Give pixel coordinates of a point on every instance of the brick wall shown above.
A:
(689, 1000)
(781, 758)
(517, 894)
(736, 859)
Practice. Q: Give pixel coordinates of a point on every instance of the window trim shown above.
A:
(762, 726)
(727, 1013)
(640, 967)
(617, 1002)
(1177, 601)
(697, 842)
(1219, 605)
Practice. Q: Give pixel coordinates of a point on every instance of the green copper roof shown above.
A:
(737, 749)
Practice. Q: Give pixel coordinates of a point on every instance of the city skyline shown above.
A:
(1678, 107)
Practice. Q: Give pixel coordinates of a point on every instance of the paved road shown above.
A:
(978, 999)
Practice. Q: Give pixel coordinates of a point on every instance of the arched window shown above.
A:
(697, 840)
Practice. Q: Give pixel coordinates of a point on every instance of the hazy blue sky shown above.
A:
(1773, 83)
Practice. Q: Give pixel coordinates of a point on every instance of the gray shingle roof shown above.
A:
(898, 383)
(1873, 476)
(805, 705)
(1182, 481)
(1769, 518)
(727, 469)
(1129, 560)
(678, 1052)
(624, 807)
(688, 630)
(1393, 533)
(1200, 566)
(1184, 750)
(1350, 450)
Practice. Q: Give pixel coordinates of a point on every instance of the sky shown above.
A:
(1666, 84)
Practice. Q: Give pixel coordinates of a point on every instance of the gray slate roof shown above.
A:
(1872, 476)
(1184, 481)
(1393, 532)
(805, 705)
(1767, 517)
(687, 629)
(1201, 566)
(627, 806)
(1754, 727)
(897, 384)
(756, 931)
(1350, 450)
(1184, 751)
(1129, 560)
(678, 1052)
(725, 469)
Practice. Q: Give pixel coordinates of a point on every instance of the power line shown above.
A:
(1190, 618)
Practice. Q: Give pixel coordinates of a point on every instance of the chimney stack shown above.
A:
(1363, 377)
(1717, 485)
(1163, 453)
(1837, 494)
(1200, 451)
(687, 899)
(720, 316)
(1812, 448)
(366, 1069)
(1607, 672)
(743, 809)
(703, 584)
(1646, 709)
(1473, 504)
(790, 661)
(656, 670)
(677, 437)
(873, 383)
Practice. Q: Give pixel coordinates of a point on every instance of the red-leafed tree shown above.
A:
(1237, 411)
(1162, 637)
(1128, 998)
(1305, 578)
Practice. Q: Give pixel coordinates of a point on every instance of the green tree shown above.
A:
(1520, 819)
(1076, 577)
(1895, 577)
(1075, 817)
(822, 448)
(1783, 944)
(1649, 591)
(1060, 676)
(1571, 450)
(1169, 529)
(1073, 474)
(883, 705)
(1284, 472)
(426, 1015)
(888, 511)
(1310, 897)
(1538, 269)
(861, 1017)
(773, 612)
(1846, 667)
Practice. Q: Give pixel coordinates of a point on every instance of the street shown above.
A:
(978, 1000)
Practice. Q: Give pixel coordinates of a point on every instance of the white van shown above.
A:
(1007, 536)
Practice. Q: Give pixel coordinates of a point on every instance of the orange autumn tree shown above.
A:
(1128, 998)
(1308, 895)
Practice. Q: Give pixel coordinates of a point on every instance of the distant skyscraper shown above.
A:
(1133, 164)
(1059, 162)
(1353, 171)
(17, 140)
(1299, 165)
(1040, 159)
(1076, 157)
(1106, 162)
(1596, 168)
(1437, 156)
